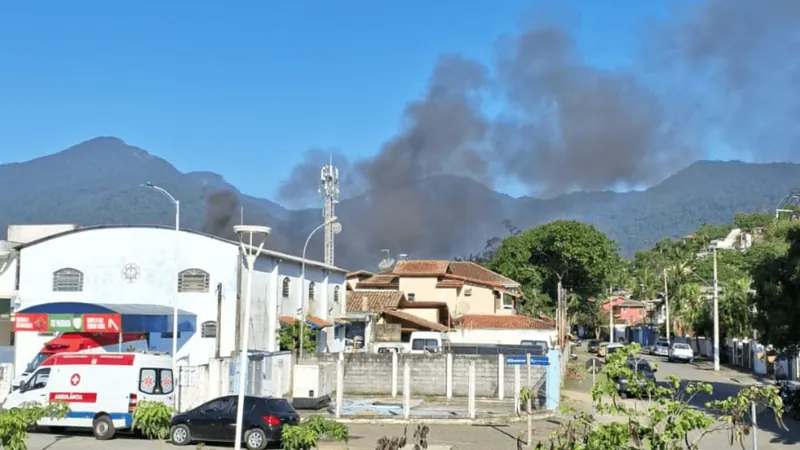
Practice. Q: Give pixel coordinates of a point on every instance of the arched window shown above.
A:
(312, 288)
(336, 294)
(67, 280)
(209, 329)
(193, 280)
(287, 287)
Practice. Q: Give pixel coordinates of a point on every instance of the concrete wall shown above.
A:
(371, 374)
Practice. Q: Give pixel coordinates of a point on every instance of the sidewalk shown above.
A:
(740, 374)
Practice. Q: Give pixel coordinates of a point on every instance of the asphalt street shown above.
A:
(727, 382)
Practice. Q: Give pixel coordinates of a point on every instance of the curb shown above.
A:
(497, 420)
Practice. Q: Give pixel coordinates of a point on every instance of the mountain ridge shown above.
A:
(98, 182)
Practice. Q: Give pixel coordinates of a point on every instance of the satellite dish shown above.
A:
(337, 228)
(387, 262)
(462, 308)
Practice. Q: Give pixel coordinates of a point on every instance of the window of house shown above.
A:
(508, 301)
(193, 280)
(312, 288)
(410, 296)
(209, 329)
(287, 287)
(336, 294)
(67, 280)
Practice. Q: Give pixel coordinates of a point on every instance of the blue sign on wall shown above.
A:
(519, 360)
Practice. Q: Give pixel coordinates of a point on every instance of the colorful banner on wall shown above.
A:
(66, 323)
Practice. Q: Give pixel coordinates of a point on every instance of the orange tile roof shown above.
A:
(449, 284)
(471, 270)
(314, 320)
(358, 273)
(421, 267)
(377, 300)
(378, 280)
(418, 321)
(502, 322)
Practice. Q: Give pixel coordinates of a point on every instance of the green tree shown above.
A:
(751, 222)
(289, 337)
(776, 281)
(561, 253)
(15, 422)
(669, 420)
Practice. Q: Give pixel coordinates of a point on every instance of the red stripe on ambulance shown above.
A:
(73, 397)
(84, 359)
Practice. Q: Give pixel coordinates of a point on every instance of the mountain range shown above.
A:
(99, 182)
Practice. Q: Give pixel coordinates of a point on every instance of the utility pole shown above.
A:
(716, 313)
(666, 301)
(559, 316)
(610, 316)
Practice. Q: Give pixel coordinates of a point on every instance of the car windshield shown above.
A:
(593, 342)
(279, 406)
(643, 367)
(682, 347)
(662, 343)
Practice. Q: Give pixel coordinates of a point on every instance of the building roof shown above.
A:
(265, 252)
(418, 321)
(359, 273)
(502, 322)
(450, 273)
(377, 300)
(313, 320)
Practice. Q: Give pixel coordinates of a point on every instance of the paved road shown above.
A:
(726, 383)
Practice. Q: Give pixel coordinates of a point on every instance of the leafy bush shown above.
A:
(419, 440)
(153, 419)
(15, 422)
(306, 435)
(669, 421)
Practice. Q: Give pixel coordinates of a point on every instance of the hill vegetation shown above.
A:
(98, 182)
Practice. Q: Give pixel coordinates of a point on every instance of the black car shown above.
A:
(215, 421)
(644, 373)
(592, 346)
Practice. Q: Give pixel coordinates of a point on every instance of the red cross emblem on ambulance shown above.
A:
(75, 379)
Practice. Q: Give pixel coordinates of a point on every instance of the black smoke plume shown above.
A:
(721, 68)
(222, 212)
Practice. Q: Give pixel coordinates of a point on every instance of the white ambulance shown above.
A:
(102, 389)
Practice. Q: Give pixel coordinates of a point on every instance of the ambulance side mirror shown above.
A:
(21, 388)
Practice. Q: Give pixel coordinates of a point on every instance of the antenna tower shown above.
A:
(329, 191)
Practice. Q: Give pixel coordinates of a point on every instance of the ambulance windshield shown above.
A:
(37, 361)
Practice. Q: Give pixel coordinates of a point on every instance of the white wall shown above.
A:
(8, 276)
(102, 253)
(500, 336)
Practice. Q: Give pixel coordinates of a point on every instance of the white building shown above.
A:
(131, 270)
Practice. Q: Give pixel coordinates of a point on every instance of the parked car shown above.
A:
(215, 421)
(660, 348)
(680, 352)
(643, 373)
(592, 346)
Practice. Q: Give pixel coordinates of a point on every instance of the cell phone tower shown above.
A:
(329, 191)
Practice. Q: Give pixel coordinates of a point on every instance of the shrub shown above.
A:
(15, 422)
(153, 419)
(306, 435)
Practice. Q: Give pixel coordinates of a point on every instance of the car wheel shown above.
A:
(255, 439)
(103, 428)
(180, 435)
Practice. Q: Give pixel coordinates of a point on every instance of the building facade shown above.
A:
(132, 269)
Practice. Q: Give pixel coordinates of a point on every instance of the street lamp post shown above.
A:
(303, 291)
(716, 313)
(177, 204)
(247, 233)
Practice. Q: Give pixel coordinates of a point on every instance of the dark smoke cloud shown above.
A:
(722, 67)
(301, 188)
(222, 212)
(744, 55)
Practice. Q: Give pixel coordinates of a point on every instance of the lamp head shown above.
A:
(148, 185)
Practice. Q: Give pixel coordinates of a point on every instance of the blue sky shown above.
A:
(220, 85)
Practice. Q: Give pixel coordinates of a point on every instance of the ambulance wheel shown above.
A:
(103, 428)
(180, 435)
(255, 439)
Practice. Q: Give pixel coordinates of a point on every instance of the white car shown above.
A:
(660, 348)
(680, 352)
